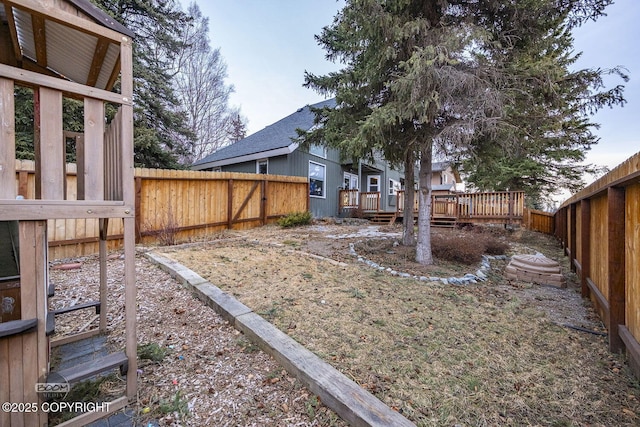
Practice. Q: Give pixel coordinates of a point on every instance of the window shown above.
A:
(262, 166)
(318, 150)
(394, 187)
(350, 181)
(373, 183)
(317, 179)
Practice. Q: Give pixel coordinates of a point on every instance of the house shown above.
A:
(336, 185)
(444, 179)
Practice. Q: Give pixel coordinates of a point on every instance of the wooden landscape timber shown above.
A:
(599, 228)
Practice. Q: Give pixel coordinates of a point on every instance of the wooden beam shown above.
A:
(30, 78)
(52, 151)
(93, 173)
(39, 39)
(7, 140)
(40, 8)
(13, 32)
(99, 53)
(245, 202)
(585, 242)
(633, 349)
(230, 204)
(616, 265)
(602, 302)
(13, 210)
(572, 237)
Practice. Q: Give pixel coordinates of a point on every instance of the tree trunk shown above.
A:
(423, 248)
(408, 233)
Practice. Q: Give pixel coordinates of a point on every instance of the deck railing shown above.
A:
(470, 206)
(367, 201)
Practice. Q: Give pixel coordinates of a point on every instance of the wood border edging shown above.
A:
(345, 397)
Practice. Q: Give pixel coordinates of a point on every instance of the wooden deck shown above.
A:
(504, 207)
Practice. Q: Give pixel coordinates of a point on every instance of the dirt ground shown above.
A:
(492, 353)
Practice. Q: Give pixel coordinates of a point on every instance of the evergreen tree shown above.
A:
(161, 135)
(454, 77)
(413, 79)
(546, 130)
(238, 128)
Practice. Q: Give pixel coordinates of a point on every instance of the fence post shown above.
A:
(616, 265)
(137, 206)
(585, 243)
(264, 186)
(230, 204)
(572, 237)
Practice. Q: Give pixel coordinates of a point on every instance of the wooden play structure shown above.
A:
(58, 49)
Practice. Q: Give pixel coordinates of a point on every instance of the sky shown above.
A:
(268, 45)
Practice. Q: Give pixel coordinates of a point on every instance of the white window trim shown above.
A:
(324, 151)
(258, 165)
(324, 181)
(350, 176)
(369, 183)
(394, 186)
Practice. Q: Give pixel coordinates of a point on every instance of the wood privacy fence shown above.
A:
(541, 221)
(599, 228)
(175, 205)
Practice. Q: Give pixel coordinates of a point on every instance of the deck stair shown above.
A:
(444, 221)
(382, 217)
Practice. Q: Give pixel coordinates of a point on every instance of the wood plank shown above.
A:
(7, 140)
(16, 378)
(14, 33)
(11, 210)
(616, 261)
(99, 53)
(632, 254)
(32, 79)
(5, 417)
(572, 235)
(89, 417)
(585, 242)
(51, 149)
(93, 149)
(39, 39)
(91, 368)
(633, 349)
(130, 304)
(39, 8)
(602, 302)
(350, 401)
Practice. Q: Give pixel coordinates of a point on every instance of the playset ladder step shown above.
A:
(71, 308)
(97, 366)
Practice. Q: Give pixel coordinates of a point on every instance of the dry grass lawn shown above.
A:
(492, 353)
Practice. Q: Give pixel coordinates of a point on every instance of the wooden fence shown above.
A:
(175, 204)
(599, 228)
(541, 221)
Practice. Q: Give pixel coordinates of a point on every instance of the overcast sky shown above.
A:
(268, 45)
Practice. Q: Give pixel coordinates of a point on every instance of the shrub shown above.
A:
(295, 219)
(456, 248)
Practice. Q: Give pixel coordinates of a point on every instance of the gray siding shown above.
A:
(299, 166)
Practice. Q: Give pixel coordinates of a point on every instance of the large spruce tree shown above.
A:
(453, 77)
(161, 134)
(545, 130)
